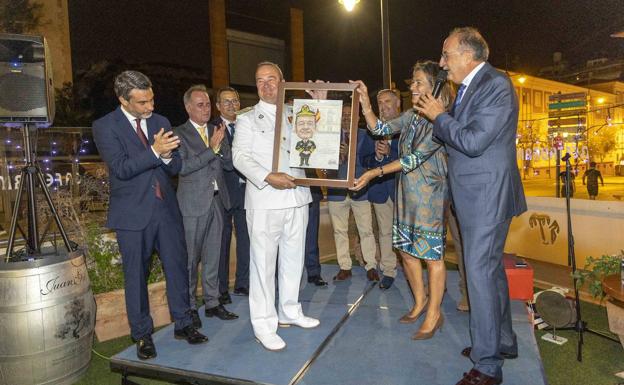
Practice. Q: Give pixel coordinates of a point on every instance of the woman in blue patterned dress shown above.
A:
(422, 193)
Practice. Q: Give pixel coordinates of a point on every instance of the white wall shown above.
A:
(541, 232)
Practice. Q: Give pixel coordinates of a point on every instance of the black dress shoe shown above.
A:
(317, 280)
(508, 356)
(191, 335)
(241, 291)
(197, 324)
(145, 347)
(225, 298)
(386, 282)
(221, 313)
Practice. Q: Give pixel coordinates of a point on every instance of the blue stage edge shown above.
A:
(359, 342)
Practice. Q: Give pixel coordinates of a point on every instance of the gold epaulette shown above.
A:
(246, 109)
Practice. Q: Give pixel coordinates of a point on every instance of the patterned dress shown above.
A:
(422, 188)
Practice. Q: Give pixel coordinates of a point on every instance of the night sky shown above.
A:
(339, 46)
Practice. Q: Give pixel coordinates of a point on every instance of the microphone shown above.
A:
(439, 83)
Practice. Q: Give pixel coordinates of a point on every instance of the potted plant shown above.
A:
(595, 270)
(593, 273)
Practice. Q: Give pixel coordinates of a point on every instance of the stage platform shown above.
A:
(359, 342)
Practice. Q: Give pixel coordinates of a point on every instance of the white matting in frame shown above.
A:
(315, 140)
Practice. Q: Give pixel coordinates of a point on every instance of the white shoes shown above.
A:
(303, 322)
(272, 342)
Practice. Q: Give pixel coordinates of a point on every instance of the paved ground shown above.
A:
(612, 190)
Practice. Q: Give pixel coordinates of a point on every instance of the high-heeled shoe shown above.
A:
(420, 335)
(408, 319)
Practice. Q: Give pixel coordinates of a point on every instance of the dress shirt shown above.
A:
(229, 129)
(227, 124)
(204, 129)
(468, 79)
(132, 119)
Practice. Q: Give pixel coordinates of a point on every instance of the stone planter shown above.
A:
(111, 319)
(615, 313)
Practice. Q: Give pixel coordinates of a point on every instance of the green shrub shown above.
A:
(595, 270)
(104, 262)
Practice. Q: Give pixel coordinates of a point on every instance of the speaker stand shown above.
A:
(29, 173)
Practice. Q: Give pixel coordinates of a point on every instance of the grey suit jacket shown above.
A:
(481, 143)
(200, 166)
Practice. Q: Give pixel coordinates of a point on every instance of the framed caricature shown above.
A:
(322, 131)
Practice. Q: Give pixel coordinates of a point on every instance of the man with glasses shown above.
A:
(228, 105)
(480, 136)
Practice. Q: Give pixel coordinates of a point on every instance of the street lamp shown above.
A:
(349, 4)
(385, 38)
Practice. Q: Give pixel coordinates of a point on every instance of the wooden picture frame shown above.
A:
(343, 92)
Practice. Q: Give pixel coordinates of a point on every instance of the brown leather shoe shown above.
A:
(372, 275)
(343, 275)
(475, 377)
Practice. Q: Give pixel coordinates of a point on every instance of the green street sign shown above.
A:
(558, 106)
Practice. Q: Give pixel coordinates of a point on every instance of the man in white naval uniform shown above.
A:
(277, 214)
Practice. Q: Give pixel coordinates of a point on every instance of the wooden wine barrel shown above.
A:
(47, 317)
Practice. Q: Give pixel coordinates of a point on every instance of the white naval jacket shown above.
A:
(252, 153)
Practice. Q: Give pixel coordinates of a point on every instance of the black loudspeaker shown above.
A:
(26, 89)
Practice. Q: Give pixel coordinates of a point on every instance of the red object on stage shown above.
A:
(520, 278)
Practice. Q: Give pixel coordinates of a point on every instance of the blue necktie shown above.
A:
(458, 98)
(231, 132)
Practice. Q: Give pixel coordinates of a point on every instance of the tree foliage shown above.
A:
(20, 16)
(70, 111)
(601, 142)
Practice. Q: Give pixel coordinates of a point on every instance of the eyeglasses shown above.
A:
(445, 55)
(229, 102)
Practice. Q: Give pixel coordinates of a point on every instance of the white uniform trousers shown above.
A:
(388, 259)
(270, 231)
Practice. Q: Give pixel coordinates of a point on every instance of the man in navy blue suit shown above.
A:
(381, 191)
(480, 137)
(228, 104)
(138, 147)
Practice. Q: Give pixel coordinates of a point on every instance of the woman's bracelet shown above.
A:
(381, 172)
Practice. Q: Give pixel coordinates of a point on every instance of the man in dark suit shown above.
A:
(228, 104)
(312, 260)
(480, 137)
(143, 209)
(203, 198)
